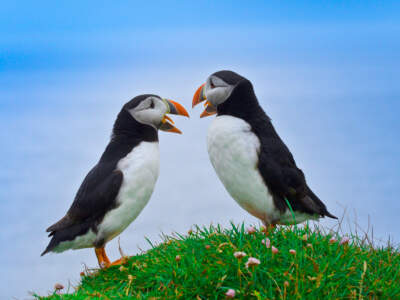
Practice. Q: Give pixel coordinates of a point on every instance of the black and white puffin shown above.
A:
(249, 157)
(116, 190)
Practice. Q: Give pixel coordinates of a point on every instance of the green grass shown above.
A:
(320, 269)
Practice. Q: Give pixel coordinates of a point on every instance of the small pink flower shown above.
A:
(332, 240)
(274, 250)
(252, 261)
(251, 230)
(208, 247)
(239, 254)
(58, 287)
(286, 283)
(309, 245)
(292, 251)
(230, 293)
(344, 241)
(267, 242)
(177, 258)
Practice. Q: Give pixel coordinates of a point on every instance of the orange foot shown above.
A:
(103, 260)
(120, 261)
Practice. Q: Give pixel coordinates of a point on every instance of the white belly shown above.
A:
(140, 169)
(233, 149)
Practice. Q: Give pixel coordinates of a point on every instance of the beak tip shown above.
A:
(178, 109)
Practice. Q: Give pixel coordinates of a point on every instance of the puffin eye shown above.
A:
(152, 104)
(212, 84)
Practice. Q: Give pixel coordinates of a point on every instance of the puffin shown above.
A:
(251, 160)
(119, 186)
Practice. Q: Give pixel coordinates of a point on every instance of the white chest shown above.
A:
(233, 150)
(140, 170)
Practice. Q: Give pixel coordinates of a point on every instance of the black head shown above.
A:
(146, 114)
(225, 91)
(229, 77)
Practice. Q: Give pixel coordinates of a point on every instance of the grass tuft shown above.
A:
(306, 264)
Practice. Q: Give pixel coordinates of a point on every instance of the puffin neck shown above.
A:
(242, 103)
(127, 134)
(127, 129)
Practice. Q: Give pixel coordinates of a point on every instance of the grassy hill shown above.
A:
(299, 263)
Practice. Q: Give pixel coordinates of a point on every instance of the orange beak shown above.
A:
(174, 108)
(200, 96)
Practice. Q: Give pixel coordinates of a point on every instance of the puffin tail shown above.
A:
(45, 251)
(65, 234)
(53, 243)
(328, 214)
(318, 206)
(56, 232)
(64, 222)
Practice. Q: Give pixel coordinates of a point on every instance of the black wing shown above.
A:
(94, 198)
(283, 178)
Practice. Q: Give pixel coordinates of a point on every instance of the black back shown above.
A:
(276, 164)
(98, 191)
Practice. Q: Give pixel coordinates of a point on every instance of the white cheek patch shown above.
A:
(143, 105)
(147, 116)
(218, 95)
(150, 116)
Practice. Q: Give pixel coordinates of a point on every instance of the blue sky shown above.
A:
(326, 73)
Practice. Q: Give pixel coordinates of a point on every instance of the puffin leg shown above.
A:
(269, 227)
(102, 258)
(104, 261)
(105, 257)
